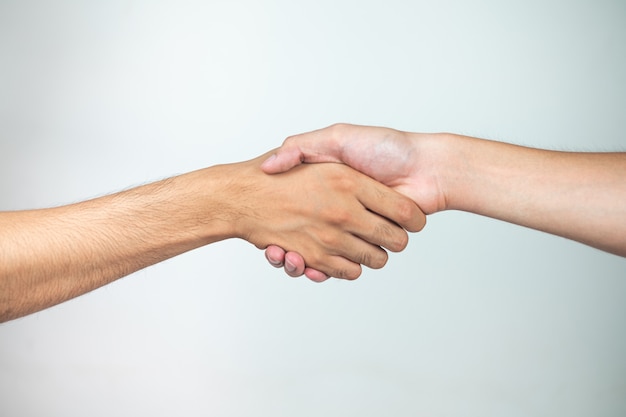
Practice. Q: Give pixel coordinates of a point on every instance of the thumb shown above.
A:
(316, 146)
(282, 160)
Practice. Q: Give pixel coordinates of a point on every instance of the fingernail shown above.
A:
(289, 266)
(274, 262)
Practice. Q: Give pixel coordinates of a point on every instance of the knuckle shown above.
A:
(341, 217)
(421, 223)
(406, 212)
(337, 179)
(374, 258)
(336, 129)
(379, 260)
(352, 274)
(344, 181)
(400, 242)
(365, 258)
(348, 273)
(329, 240)
(395, 238)
(289, 140)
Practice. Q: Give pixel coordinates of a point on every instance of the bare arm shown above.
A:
(48, 256)
(580, 196)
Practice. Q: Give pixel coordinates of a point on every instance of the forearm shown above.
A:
(51, 255)
(580, 196)
(334, 216)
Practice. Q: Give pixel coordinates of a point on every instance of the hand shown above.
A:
(334, 216)
(556, 192)
(387, 155)
(400, 160)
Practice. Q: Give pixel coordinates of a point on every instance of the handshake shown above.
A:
(323, 204)
(337, 198)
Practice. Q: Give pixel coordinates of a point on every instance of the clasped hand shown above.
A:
(335, 217)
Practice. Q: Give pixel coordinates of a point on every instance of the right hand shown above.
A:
(336, 217)
(392, 157)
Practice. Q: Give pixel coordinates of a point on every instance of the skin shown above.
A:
(579, 196)
(336, 217)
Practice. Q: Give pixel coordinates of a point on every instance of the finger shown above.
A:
(283, 160)
(336, 266)
(388, 203)
(275, 255)
(344, 269)
(315, 275)
(379, 231)
(294, 264)
(315, 146)
(352, 249)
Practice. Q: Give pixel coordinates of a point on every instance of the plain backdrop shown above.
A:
(475, 318)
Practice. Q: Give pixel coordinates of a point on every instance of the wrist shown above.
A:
(457, 165)
(453, 166)
(212, 198)
(434, 168)
(235, 189)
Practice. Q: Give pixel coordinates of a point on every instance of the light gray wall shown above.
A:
(474, 318)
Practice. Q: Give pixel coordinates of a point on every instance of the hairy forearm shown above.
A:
(336, 217)
(51, 255)
(580, 196)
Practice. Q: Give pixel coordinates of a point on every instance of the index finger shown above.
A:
(391, 204)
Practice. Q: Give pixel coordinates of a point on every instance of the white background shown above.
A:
(475, 318)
